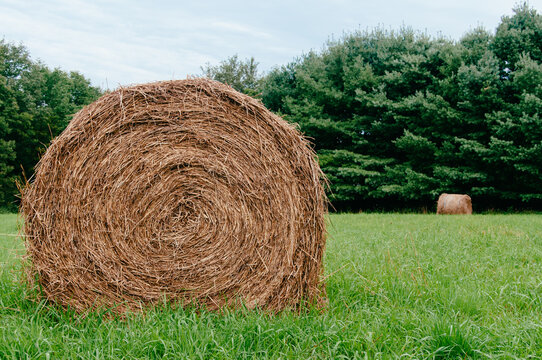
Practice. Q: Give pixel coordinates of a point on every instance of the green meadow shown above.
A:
(399, 286)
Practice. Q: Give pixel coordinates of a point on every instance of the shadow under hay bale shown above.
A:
(185, 190)
(454, 204)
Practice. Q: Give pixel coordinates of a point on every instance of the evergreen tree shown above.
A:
(399, 117)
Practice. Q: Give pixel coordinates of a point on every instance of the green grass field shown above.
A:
(399, 286)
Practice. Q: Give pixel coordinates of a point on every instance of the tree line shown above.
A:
(396, 117)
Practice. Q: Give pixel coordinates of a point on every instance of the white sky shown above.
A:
(125, 42)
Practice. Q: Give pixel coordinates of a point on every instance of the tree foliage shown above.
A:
(36, 104)
(242, 75)
(398, 117)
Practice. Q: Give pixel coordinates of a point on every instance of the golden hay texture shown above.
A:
(182, 190)
(454, 204)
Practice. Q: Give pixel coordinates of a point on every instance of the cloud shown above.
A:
(245, 30)
(124, 42)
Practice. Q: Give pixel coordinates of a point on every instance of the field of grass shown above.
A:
(399, 286)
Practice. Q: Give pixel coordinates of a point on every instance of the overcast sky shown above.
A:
(128, 41)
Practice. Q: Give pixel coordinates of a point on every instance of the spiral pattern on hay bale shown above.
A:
(181, 190)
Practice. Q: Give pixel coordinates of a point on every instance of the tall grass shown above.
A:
(409, 286)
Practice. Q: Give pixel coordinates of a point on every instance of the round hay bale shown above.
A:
(181, 190)
(454, 204)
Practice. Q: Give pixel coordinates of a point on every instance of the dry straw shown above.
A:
(180, 190)
(453, 204)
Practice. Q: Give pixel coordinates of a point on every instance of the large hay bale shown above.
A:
(180, 190)
(454, 204)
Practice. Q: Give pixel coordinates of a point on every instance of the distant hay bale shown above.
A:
(181, 190)
(454, 204)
